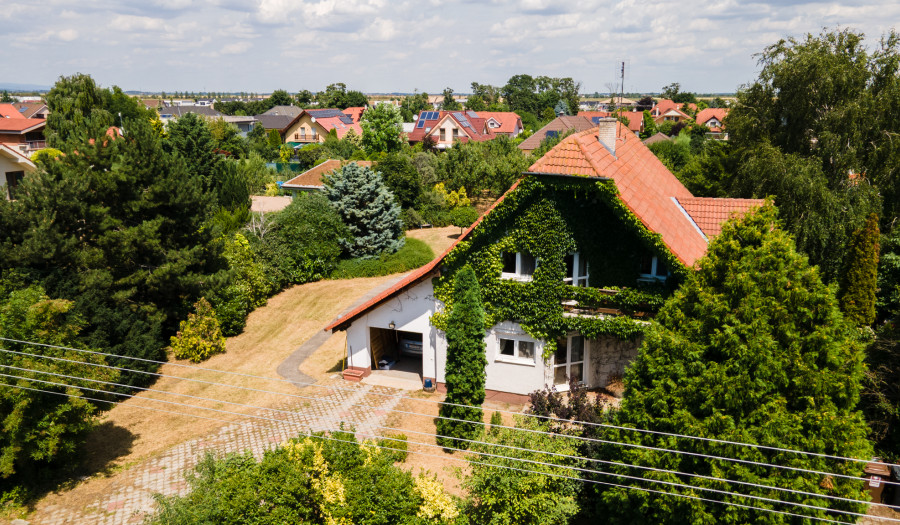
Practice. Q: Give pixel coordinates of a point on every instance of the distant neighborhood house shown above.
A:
(311, 126)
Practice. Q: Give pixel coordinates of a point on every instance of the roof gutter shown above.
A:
(566, 176)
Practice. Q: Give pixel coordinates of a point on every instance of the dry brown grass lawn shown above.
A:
(438, 238)
(127, 435)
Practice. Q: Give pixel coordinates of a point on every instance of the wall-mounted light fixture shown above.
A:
(392, 325)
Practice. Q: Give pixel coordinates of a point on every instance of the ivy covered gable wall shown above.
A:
(550, 217)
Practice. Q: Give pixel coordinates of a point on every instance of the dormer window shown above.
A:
(653, 269)
(576, 270)
(518, 265)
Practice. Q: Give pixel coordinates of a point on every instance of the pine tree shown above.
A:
(466, 362)
(860, 280)
(368, 209)
(753, 349)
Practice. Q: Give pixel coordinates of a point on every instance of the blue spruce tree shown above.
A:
(368, 208)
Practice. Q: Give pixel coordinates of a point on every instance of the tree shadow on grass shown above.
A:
(106, 443)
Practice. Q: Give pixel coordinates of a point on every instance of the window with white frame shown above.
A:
(653, 269)
(576, 270)
(514, 348)
(568, 361)
(518, 265)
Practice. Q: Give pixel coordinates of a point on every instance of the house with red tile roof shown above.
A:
(664, 105)
(23, 134)
(714, 119)
(506, 123)
(598, 214)
(448, 127)
(14, 166)
(312, 126)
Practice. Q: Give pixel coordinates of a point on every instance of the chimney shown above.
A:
(607, 133)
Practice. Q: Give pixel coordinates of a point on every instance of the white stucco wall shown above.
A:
(410, 311)
(511, 374)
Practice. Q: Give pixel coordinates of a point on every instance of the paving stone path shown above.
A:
(130, 498)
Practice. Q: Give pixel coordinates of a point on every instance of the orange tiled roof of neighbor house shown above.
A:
(312, 178)
(709, 113)
(594, 114)
(8, 111)
(709, 213)
(355, 112)
(21, 125)
(508, 120)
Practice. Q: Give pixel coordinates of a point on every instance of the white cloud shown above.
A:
(236, 48)
(68, 35)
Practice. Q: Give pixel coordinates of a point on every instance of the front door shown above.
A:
(568, 361)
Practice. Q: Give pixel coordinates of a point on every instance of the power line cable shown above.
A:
(582, 438)
(427, 434)
(588, 471)
(644, 489)
(538, 416)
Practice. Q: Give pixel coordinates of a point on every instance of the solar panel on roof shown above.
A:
(595, 120)
(432, 115)
(472, 114)
(421, 123)
(551, 133)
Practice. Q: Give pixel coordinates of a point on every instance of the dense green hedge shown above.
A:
(414, 254)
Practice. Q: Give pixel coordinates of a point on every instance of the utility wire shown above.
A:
(582, 438)
(538, 416)
(427, 434)
(588, 471)
(505, 467)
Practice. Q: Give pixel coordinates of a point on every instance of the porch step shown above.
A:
(356, 373)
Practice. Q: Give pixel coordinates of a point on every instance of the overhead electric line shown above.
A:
(749, 507)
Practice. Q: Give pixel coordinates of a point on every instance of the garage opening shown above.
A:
(396, 351)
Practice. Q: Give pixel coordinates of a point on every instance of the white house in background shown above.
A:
(13, 168)
(398, 320)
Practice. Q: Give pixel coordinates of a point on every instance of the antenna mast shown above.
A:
(622, 95)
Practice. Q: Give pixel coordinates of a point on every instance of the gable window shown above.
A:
(568, 361)
(576, 270)
(443, 135)
(518, 265)
(653, 269)
(455, 133)
(296, 135)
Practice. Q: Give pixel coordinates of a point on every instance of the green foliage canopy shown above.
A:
(752, 348)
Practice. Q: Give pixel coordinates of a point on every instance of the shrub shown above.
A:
(528, 495)
(414, 254)
(411, 219)
(299, 244)
(248, 288)
(307, 480)
(199, 337)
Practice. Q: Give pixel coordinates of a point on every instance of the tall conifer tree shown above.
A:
(752, 349)
(860, 280)
(368, 209)
(466, 362)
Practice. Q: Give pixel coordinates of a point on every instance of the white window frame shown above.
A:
(517, 276)
(562, 387)
(577, 279)
(653, 275)
(516, 358)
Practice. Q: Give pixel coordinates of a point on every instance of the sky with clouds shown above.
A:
(399, 46)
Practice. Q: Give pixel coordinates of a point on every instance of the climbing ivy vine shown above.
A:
(550, 217)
